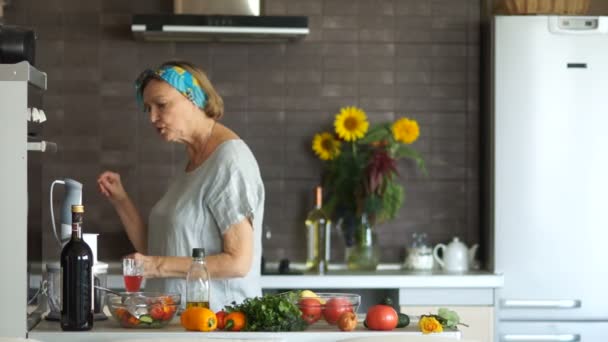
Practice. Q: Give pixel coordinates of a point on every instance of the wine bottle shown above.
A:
(316, 225)
(197, 281)
(77, 278)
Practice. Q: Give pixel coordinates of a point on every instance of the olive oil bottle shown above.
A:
(197, 281)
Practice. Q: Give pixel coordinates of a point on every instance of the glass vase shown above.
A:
(365, 253)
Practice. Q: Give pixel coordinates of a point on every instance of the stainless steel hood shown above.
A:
(225, 28)
(218, 20)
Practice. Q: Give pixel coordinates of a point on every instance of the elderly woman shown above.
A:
(216, 202)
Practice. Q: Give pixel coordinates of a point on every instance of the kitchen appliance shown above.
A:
(17, 44)
(21, 87)
(549, 168)
(72, 196)
(218, 20)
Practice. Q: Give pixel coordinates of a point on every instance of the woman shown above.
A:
(217, 202)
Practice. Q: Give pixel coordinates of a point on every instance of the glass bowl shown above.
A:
(143, 309)
(326, 306)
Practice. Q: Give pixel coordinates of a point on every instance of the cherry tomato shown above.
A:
(381, 317)
(347, 321)
(157, 312)
(311, 309)
(335, 307)
(168, 311)
(121, 312)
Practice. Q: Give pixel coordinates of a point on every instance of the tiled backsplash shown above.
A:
(418, 58)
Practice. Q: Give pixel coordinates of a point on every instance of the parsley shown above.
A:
(271, 313)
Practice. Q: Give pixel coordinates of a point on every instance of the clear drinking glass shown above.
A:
(133, 273)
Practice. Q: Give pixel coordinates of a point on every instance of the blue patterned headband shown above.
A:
(179, 78)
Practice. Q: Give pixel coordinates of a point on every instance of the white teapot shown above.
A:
(456, 256)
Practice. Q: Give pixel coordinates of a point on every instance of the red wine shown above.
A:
(77, 289)
(133, 283)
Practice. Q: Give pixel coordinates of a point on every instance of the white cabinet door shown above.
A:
(553, 331)
(480, 319)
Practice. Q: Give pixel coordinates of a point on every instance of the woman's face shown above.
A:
(169, 110)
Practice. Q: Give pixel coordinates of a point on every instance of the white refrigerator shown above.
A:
(550, 177)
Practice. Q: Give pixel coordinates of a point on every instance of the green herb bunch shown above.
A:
(271, 313)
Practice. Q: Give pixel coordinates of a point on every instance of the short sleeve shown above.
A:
(238, 199)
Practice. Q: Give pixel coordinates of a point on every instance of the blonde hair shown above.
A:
(214, 108)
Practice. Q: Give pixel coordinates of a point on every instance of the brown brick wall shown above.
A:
(418, 58)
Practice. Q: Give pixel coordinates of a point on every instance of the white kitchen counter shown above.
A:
(386, 278)
(106, 331)
(383, 280)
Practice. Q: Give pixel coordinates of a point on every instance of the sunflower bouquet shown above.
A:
(360, 174)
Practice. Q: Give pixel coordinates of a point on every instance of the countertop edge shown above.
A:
(397, 281)
(383, 281)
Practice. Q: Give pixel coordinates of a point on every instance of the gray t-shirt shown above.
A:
(196, 211)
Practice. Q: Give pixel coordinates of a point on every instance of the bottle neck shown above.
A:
(319, 198)
(76, 225)
(76, 231)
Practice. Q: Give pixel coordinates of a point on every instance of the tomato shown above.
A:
(157, 312)
(121, 312)
(347, 321)
(381, 317)
(235, 321)
(335, 307)
(129, 320)
(311, 309)
(221, 315)
(168, 311)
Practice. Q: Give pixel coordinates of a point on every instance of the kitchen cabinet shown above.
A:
(470, 294)
(480, 319)
(590, 331)
(475, 306)
(109, 330)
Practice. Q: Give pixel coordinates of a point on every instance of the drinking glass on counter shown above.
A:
(133, 273)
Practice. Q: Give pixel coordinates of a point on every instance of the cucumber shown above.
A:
(146, 319)
(387, 301)
(403, 320)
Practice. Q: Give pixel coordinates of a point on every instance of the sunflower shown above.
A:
(405, 130)
(351, 123)
(325, 146)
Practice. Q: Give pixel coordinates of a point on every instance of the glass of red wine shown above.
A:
(133, 273)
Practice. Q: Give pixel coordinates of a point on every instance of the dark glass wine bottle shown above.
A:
(77, 278)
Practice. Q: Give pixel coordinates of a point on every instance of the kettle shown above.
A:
(72, 196)
(457, 257)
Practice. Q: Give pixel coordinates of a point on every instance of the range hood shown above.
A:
(226, 28)
(218, 20)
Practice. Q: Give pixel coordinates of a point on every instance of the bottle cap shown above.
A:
(78, 208)
(198, 252)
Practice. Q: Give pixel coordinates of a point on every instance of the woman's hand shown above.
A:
(110, 186)
(150, 264)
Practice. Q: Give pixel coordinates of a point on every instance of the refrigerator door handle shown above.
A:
(541, 304)
(540, 337)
